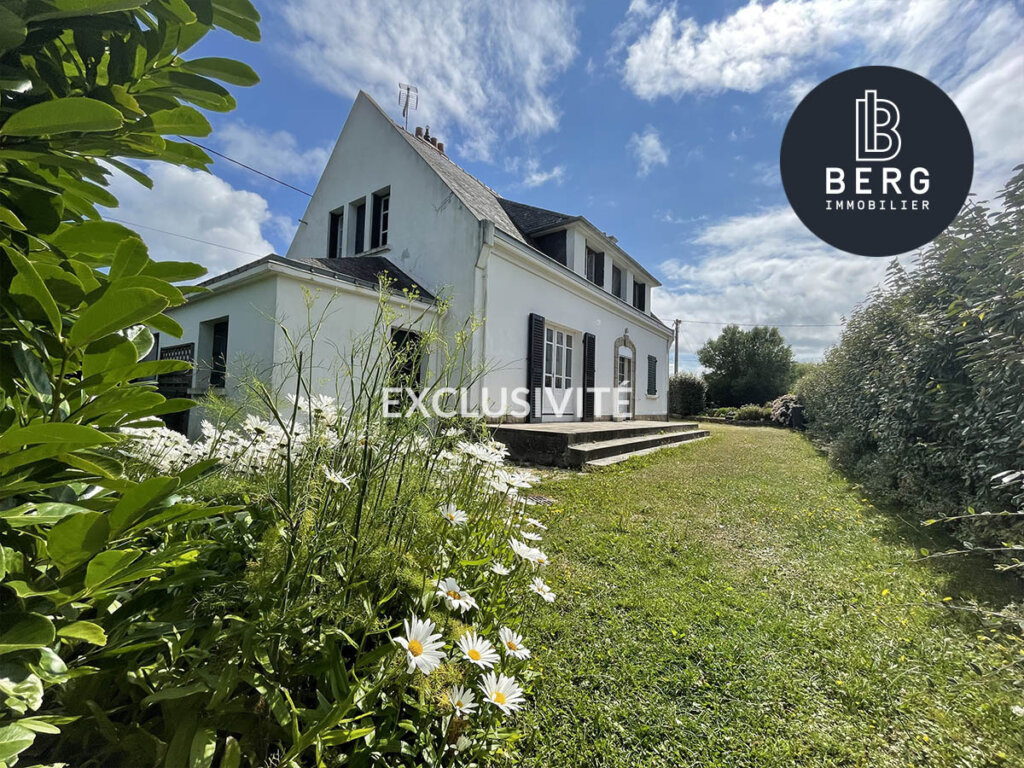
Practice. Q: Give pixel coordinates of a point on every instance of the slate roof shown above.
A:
(367, 269)
(530, 219)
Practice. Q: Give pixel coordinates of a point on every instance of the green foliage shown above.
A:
(85, 553)
(923, 398)
(751, 412)
(746, 366)
(802, 369)
(686, 392)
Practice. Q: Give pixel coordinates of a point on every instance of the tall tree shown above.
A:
(746, 366)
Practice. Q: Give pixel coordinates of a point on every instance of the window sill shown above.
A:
(372, 251)
(652, 397)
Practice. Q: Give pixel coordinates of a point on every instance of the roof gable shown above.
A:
(481, 200)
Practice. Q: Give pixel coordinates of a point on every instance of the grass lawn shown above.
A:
(733, 602)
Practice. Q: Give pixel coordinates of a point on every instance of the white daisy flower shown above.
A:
(536, 523)
(531, 536)
(512, 643)
(337, 478)
(422, 645)
(478, 650)
(542, 589)
(521, 548)
(454, 515)
(450, 590)
(501, 570)
(502, 691)
(525, 551)
(463, 700)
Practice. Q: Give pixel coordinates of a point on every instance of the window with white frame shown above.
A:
(558, 354)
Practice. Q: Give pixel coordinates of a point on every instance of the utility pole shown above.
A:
(677, 321)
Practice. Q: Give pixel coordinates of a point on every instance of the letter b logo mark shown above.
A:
(877, 137)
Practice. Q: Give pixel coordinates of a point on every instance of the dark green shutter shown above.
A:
(535, 364)
(652, 375)
(589, 350)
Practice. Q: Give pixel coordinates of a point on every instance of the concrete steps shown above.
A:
(582, 444)
(602, 453)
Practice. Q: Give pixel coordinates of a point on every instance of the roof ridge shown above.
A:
(502, 199)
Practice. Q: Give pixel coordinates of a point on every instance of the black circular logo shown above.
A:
(877, 161)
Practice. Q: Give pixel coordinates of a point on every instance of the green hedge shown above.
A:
(923, 398)
(686, 394)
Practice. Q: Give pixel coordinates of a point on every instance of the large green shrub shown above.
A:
(86, 553)
(686, 393)
(751, 412)
(746, 366)
(923, 398)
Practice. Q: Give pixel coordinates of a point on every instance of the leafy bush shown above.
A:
(746, 366)
(923, 398)
(725, 413)
(686, 393)
(87, 554)
(362, 538)
(752, 412)
(782, 408)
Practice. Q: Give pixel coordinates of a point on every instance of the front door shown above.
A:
(624, 382)
(559, 354)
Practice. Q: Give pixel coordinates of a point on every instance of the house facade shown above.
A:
(563, 310)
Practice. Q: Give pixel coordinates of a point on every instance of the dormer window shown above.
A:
(618, 286)
(336, 246)
(360, 219)
(381, 218)
(595, 266)
(640, 296)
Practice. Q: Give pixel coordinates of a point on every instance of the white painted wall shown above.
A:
(433, 237)
(250, 308)
(518, 286)
(260, 310)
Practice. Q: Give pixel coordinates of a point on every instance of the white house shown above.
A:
(563, 306)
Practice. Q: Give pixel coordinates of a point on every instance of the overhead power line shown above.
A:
(247, 167)
(185, 237)
(751, 325)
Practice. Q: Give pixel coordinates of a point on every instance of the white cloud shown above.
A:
(535, 176)
(485, 68)
(765, 268)
(200, 206)
(648, 150)
(973, 49)
(273, 152)
(763, 44)
(992, 104)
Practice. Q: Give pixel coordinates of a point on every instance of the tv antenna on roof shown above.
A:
(408, 98)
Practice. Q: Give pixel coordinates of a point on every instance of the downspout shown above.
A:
(480, 304)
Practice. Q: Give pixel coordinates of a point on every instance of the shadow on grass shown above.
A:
(968, 576)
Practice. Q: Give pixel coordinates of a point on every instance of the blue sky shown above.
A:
(660, 122)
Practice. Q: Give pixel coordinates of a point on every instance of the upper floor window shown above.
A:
(360, 222)
(640, 296)
(219, 354)
(381, 218)
(617, 282)
(336, 246)
(595, 266)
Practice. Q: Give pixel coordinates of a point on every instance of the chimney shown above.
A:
(433, 141)
(440, 147)
(419, 131)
